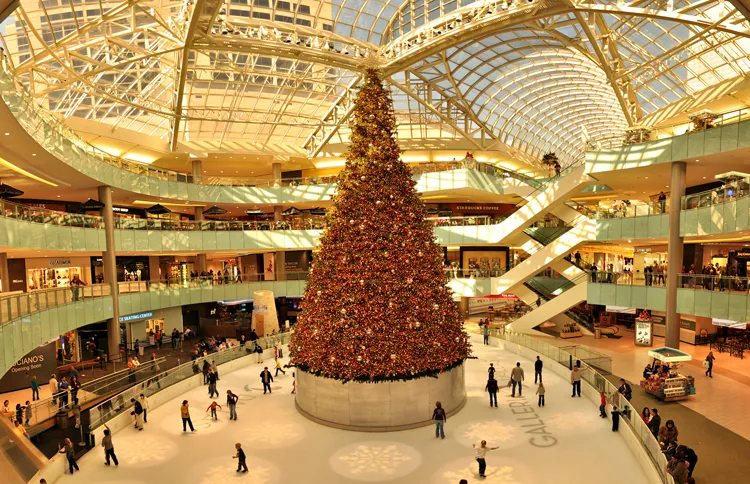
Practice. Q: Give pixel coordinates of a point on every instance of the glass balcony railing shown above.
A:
(51, 132)
(599, 381)
(115, 406)
(43, 410)
(731, 192)
(65, 219)
(13, 306)
(732, 284)
(698, 122)
(624, 210)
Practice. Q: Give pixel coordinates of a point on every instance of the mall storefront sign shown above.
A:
(40, 362)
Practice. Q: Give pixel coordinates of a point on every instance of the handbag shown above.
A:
(705, 363)
(510, 382)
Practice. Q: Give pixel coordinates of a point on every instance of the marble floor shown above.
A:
(567, 442)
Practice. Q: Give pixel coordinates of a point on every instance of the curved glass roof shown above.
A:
(274, 76)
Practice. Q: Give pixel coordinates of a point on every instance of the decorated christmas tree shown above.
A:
(376, 305)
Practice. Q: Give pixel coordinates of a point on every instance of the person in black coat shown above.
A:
(538, 365)
(492, 388)
(690, 457)
(655, 424)
(266, 378)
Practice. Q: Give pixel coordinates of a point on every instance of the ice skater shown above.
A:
(480, 453)
(138, 412)
(492, 388)
(278, 367)
(266, 378)
(109, 449)
(212, 384)
(212, 408)
(615, 418)
(144, 404)
(185, 414)
(70, 455)
(240, 455)
(540, 391)
(232, 400)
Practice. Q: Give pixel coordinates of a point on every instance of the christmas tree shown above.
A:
(376, 305)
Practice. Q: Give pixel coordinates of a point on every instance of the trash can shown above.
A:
(597, 334)
(61, 419)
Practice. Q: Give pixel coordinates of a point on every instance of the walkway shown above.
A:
(713, 422)
(274, 435)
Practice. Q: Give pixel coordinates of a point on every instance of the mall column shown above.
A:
(4, 272)
(197, 171)
(200, 260)
(674, 253)
(110, 272)
(278, 217)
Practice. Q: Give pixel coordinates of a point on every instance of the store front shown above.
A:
(647, 256)
(142, 326)
(738, 261)
(128, 269)
(56, 272)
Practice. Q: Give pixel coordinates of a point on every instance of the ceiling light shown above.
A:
(33, 154)
(7, 134)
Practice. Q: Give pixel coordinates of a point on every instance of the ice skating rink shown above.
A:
(564, 442)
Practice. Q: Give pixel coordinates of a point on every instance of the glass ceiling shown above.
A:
(274, 76)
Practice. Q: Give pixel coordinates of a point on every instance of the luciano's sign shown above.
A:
(40, 362)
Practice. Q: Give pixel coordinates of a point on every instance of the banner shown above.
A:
(728, 323)
(620, 309)
(269, 266)
(482, 304)
(40, 362)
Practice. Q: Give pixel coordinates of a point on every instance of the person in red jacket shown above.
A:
(603, 405)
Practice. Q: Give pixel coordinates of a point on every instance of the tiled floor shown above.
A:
(284, 447)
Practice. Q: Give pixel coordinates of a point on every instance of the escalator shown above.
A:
(550, 195)
(546, 248)
(541, 287)
(569, 294)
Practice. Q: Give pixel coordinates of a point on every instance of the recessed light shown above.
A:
(646, 178)
(33, 154)
(7, 134)
(704, 177)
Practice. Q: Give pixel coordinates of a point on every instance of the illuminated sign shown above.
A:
(59, 262)
(134, 317)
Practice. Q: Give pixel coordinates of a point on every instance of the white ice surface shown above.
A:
(284, 447)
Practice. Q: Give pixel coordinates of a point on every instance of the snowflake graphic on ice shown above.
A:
(222, 474)
(567, 421)
(276, 434)
(145, 450)
(374, 459)
(495, 475)
(492, 431)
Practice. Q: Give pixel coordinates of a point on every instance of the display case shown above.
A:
(571, 330)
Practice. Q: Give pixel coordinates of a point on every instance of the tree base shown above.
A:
(379, 407)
